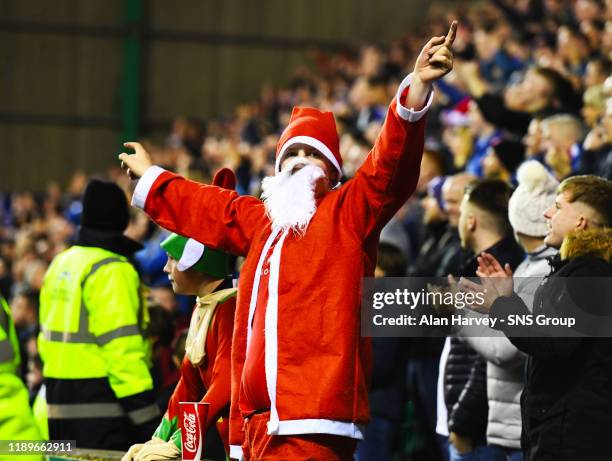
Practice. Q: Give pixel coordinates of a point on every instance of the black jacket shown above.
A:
(468, 416)
(494, 110)
(567, 401)
(388, 378)
(453, 256)
(440, 239)
(461, 360)
(431, 251)
(597, 162)
(108, 240)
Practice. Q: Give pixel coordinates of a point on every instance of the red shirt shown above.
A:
(253, 386)
(210, 382)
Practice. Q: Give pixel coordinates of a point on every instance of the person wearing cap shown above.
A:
(566, 404)
(194, 269)
(505, 363)
(534, 195)
(300, 368)
(502, 159)
(92, 316)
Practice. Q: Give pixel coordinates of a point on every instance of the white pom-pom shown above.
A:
(532, 175)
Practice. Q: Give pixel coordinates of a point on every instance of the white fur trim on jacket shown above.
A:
(236, 452)
(271, 332)
(139, 198)
(255, 290)
(320, 426)
(410, 114)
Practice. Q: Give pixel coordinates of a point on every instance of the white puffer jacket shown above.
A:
(505, 363)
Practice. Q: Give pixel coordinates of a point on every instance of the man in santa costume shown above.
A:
(197, 270)
(300, 369)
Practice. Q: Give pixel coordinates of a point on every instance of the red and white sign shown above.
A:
(192, 423)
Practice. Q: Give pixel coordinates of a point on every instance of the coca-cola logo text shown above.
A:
(190, 428)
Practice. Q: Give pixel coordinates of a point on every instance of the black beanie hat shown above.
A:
(105, 207)
(510, 153)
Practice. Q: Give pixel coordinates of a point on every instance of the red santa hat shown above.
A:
(458, 114)
(314, 128)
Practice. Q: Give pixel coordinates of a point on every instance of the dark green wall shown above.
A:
(61, 67)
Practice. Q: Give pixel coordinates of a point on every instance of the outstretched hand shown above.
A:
(137, 163)
(436, 57)
(434, 62)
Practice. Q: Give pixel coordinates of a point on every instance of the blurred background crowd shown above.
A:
(531, 80)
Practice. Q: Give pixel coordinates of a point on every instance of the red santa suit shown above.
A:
(207, 380)
(316, 364)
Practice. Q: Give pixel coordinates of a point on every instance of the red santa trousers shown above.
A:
(259, 446)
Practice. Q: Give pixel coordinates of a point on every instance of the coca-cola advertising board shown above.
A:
(192, 421)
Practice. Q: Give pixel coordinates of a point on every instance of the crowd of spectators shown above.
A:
(531, 81)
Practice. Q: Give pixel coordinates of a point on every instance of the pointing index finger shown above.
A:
(452, 33)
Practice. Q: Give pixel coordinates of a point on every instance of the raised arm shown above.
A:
(391, 170)
(217, 217)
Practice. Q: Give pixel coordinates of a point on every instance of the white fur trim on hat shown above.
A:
(312, 142)
(191, 254)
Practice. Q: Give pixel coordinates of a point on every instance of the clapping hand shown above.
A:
(496, 281)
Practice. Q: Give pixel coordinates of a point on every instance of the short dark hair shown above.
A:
(605, 66)
(31, 297)
(391, 260)
(161, 325)
(437, 158)
(491, 196)
(563, 96)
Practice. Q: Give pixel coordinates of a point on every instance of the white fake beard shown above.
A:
(290, 198)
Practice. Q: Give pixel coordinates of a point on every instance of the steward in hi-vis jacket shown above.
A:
(16, 420)
(96, 359)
